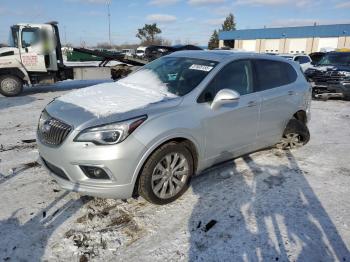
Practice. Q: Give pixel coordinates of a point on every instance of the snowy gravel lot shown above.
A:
(271, 205)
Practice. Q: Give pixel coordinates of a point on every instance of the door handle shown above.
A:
(252, 103)
(291, 93)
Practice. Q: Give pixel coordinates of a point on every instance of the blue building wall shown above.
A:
(287, 32)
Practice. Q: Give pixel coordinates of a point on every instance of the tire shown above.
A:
(296, 134)
(10, 85)
(346, 97)
(150, 175)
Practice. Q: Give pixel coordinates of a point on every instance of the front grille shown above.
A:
(327, 77)
(53, 131)
(56, 170)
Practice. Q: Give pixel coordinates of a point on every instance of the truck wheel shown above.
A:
(166, 174)
(296, 134)
(10, 85)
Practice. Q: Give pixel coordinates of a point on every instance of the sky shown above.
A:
(180, 20)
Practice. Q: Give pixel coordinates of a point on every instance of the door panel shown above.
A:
(31, 50)
(276, 83)
(277, 105)
(231, 128)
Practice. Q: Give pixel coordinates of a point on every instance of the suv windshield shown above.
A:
(336, 59)
(181, 75)
(13, 37)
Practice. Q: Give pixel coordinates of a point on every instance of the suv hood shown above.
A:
(331, 68)
(139, 94)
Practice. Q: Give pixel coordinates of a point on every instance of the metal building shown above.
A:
(295, 40)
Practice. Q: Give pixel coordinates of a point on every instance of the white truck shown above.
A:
(34, 56)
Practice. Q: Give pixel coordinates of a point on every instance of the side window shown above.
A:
(271, 74)
(302, 59)
(236, 76)
(30, 36)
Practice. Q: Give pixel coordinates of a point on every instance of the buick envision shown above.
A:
(150, 132)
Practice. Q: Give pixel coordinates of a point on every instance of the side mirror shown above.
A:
(224, 96)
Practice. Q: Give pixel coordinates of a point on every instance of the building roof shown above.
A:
(288, 32)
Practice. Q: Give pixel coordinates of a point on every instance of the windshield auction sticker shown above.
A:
(201, 67)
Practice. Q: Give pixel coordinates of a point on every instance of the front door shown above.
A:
(31, 50)
(232, 128)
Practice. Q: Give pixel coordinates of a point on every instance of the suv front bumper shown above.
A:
(321, 89)
(119, 161)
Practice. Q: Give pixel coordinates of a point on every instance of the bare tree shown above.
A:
(148, 34)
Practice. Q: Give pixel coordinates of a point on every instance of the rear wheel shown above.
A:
(10, 85)
(295, 135)
(166, 174)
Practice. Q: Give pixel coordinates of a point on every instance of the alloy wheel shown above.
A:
(291, 140)
(170, 175)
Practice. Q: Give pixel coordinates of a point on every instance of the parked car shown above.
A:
(331, 76)
(140, 51)
(150, 132)
(303, 60)
(128, 52)
(155, 51)
(316, 57)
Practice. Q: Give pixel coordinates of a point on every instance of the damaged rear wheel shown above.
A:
(296, 134)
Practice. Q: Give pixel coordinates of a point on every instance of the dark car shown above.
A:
(155, 51)
(316, 57)
(331, 76)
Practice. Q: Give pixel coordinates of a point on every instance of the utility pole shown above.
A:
(65, 35)
(109, 22)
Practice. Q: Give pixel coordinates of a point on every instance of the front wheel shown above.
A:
(10, 85)
(296, 134)
(166, 174)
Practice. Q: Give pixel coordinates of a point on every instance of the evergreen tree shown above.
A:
(229, 23)
(214, 41)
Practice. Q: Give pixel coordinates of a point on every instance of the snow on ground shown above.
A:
(270, 205)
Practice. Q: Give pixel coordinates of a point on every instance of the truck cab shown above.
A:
(33, 56)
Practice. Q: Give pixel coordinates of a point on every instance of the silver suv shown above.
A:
(150, 132)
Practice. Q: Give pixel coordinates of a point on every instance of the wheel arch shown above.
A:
(301, 116)
(188, 143)
(13, 71)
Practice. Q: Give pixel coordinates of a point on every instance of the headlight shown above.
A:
(110, 134)
(43, 118)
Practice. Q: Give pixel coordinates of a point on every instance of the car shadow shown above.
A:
(27, 241)
(261, 213)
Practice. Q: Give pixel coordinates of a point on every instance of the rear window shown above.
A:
(271, 74)
(302, 59)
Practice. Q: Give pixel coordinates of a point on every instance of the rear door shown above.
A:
(279, 100)
(232, 128)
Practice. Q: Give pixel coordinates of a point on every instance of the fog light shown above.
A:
(94, 172)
